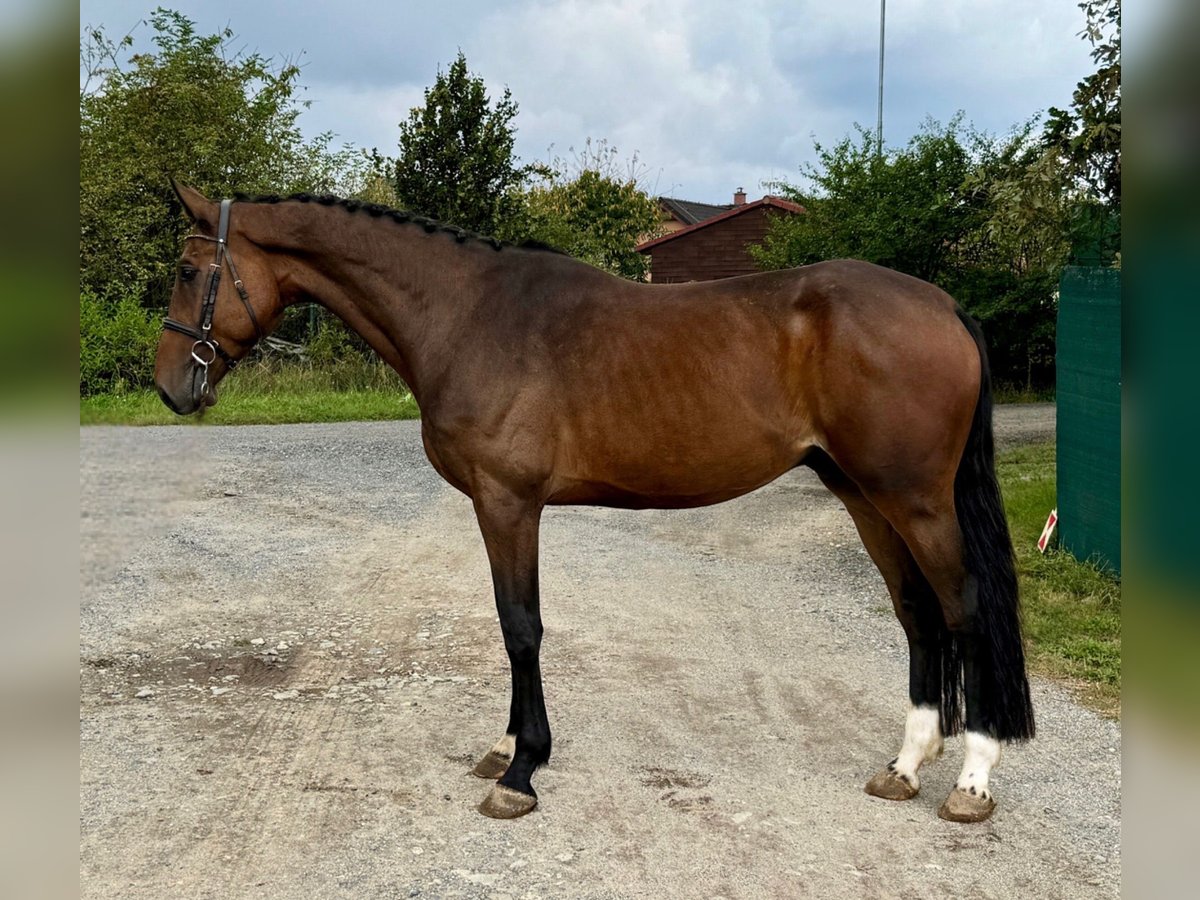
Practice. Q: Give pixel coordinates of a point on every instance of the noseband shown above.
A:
(204, 343)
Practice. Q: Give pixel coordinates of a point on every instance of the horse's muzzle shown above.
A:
(170, 402)
(191, 399)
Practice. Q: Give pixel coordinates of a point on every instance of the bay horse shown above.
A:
(542, 380)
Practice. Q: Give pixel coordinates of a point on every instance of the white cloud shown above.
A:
(718, 96)
(366, 115)
(710, 93)
(658, 78)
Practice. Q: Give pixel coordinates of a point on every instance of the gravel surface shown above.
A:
(289, 662)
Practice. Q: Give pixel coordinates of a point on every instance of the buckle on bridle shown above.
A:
(212, 349)
(205, 363)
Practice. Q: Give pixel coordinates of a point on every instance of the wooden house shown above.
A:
(707, 241)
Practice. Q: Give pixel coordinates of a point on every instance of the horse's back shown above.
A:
(684, 395)
(674, 397)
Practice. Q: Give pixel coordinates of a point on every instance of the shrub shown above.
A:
(331, 344)
(117, 340)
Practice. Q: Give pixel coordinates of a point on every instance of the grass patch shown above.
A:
(1008, 393)
(279, 408)
(1072, 609)
(269, 392)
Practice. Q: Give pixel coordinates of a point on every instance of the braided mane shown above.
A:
(400, 216)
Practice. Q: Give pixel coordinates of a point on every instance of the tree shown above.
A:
(373, 179)
(456, 160)
(906, 209)
(1009, 268)
(1087, 137)
(223, 120)
(597, 214)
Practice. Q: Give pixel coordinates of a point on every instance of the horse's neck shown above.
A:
(408, 293)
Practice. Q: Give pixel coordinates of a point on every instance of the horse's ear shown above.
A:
(198, 208)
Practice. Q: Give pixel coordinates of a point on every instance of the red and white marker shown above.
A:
(1051, 521)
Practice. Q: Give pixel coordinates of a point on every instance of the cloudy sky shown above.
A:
(710, 95)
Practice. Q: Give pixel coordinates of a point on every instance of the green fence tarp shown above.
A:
(1089, 414)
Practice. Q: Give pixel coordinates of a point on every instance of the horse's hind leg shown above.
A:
(510, 532)
(931, 530)
(917, 609)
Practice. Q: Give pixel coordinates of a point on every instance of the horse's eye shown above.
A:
(187, 273)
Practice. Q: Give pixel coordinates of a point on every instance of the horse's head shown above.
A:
(225, 299)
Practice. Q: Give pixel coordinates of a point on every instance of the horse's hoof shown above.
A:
(491, 766)
(505, 803)
(890, 786)
(962, 806)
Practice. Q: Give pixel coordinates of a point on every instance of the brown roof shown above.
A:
(776, 202)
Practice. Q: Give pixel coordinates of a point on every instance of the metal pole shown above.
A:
(879, 120)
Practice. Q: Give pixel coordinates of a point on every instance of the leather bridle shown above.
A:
(204, 343)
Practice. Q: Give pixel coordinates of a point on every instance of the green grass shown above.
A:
(1007, 393)
(271, 393)
(278, 408)
(1072, 609)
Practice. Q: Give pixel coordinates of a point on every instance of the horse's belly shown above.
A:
(598, 494)
(675, 478)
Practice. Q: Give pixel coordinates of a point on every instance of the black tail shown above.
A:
(988, 556)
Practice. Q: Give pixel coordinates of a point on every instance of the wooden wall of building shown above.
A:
(714, 251)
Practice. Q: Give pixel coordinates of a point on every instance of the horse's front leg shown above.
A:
(510, 532)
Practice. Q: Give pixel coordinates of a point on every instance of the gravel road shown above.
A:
(289, 661)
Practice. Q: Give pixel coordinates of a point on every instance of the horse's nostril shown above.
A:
(166, 398)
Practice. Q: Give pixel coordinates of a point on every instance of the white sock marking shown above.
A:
(922, 742)
(506, 746)
(982, 753)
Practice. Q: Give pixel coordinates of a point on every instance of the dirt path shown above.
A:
(306, 615)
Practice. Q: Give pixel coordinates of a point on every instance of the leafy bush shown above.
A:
(117, 340)
(456, 158)
(331, 344)
(200, 108)
(595, 209)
